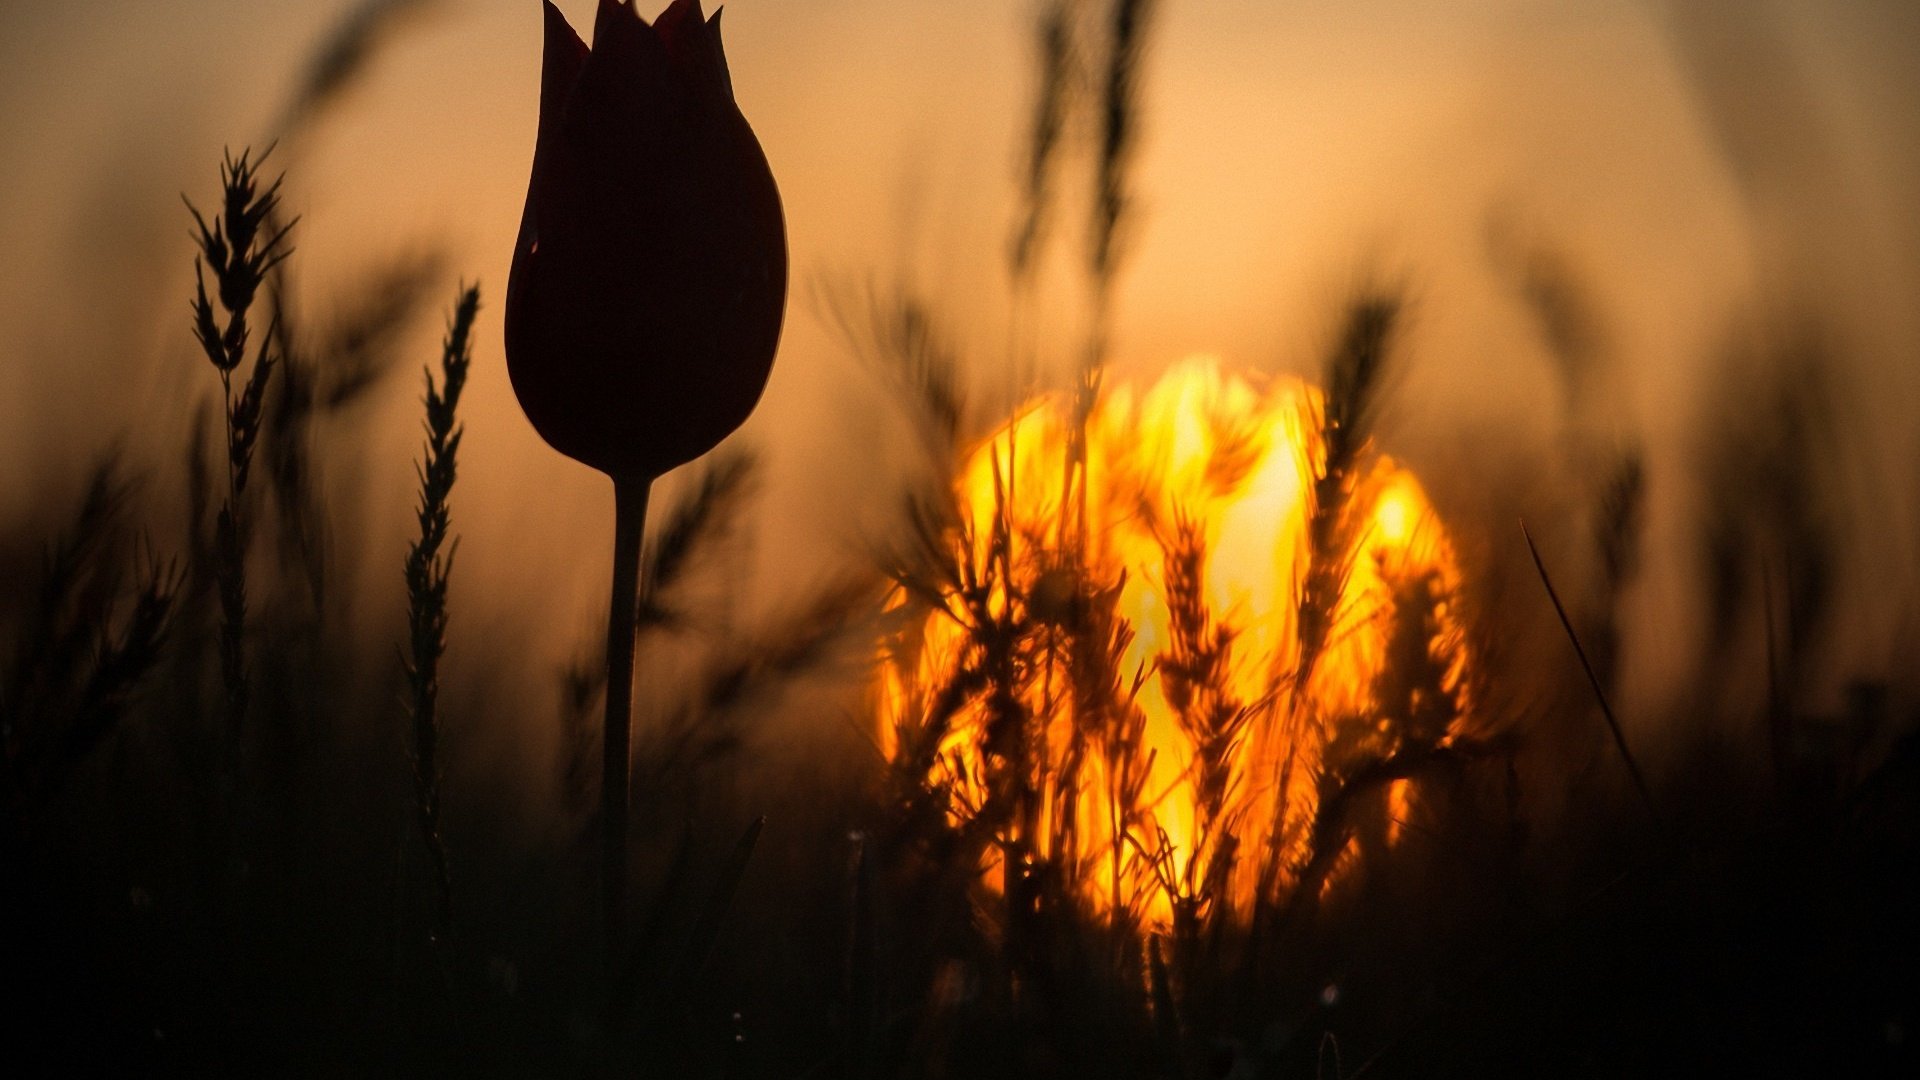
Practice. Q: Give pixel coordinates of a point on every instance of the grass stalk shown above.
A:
(1354, 374)
(1052, 103)
(241, 247)
(1599, 691)
(427, 572)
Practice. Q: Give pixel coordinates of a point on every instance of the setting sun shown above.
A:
(1196, 503)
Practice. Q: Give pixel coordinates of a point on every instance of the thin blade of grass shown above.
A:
(700, 941)
(1599, 692)
(626, 989)
(707, 931)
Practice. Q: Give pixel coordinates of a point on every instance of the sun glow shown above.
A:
(1147, 680)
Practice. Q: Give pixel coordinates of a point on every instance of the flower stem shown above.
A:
(629, 524)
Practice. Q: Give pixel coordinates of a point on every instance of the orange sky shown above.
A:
(1291, 146)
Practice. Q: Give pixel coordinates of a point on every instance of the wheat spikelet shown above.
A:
(427, 571)
(240, 248)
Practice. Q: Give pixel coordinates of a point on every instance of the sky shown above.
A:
(1702, 166)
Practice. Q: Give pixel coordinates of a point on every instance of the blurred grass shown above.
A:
(817, 917)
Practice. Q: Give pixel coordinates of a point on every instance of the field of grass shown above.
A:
(1415, 838)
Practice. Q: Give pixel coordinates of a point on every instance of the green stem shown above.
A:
(629, 525)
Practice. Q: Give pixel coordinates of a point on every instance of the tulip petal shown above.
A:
(673, 23)
(609, 11)
(719, 53)
(628, 69)
(622, 40)
(560, 68)
(692, 43)
(563, 58)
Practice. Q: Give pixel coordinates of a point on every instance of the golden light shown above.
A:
(1114, 684)
(1395, 518)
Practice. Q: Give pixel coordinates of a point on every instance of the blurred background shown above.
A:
(1720, 182)
(1658, 261)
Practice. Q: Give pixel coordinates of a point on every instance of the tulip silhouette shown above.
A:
(647, 290)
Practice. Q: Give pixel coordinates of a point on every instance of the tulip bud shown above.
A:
(650, 276)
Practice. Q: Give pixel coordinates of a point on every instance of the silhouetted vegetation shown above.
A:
(239, 837)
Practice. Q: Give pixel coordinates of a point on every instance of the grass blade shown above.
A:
(1599, 692)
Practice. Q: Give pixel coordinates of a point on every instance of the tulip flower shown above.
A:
(647, 290)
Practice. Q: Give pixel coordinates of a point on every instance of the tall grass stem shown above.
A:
(429, 563)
